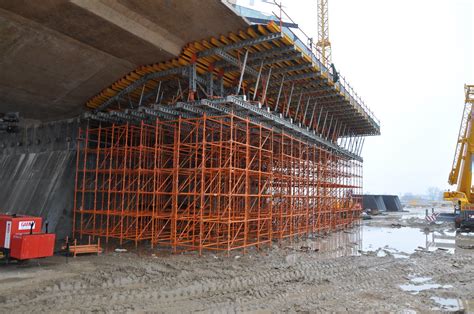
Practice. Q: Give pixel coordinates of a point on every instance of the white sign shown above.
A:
(26, 225)
(8, 231)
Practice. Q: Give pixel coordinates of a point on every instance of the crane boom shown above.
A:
(461, 143)
(323, 32)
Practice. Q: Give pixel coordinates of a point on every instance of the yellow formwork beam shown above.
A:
(190, 51)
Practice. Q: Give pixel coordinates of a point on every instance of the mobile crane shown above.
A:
(461, 171)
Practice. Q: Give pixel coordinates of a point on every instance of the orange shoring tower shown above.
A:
(209, 183)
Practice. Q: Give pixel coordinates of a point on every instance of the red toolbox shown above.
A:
(28, 246)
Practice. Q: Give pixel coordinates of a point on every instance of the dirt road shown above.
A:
(336, 273)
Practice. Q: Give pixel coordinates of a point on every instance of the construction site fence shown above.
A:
(209, 183)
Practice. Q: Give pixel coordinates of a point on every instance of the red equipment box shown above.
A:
(11, 225)
(28, 246)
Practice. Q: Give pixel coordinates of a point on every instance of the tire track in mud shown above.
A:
(458, 267)
(229, 286)
(308, 291)
(140, 292)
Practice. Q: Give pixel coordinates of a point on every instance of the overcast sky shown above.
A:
(409, 60)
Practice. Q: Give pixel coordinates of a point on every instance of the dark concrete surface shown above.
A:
(37, 171)
(374, 202)
(56, 54)
(382, 202)
(392, 203)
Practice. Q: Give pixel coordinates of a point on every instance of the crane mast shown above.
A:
(323, 32)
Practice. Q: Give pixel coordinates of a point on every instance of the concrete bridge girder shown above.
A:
(56, 54)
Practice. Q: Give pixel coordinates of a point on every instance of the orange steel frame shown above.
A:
(209, 183)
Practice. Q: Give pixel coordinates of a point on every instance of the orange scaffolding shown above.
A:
(209, 183)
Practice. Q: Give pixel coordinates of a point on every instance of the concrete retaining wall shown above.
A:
(392, 203)
(374, 202)
(37, 170)
(382, 202)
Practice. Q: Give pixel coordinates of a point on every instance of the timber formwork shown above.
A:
(210, 183)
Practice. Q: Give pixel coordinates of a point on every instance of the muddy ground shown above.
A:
(392, 263)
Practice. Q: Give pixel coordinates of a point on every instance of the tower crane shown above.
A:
(461, 171)
(323, 38)
(323, 32)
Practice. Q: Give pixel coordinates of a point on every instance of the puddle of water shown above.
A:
(417, 288)
(382, 241)
(397, 240)
(403, 241)
(418, 280)
(418, 284)
(448, 303)
(400, 255)
(335, 244)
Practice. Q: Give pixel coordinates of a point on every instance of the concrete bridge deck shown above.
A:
(56, 54)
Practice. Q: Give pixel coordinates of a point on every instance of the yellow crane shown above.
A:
(323, 32)
(461, 171)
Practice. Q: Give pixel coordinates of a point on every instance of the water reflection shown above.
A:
(407, 240)
(382, 241)
(342, 243)
(393, 240)
(335, 244)
(448, 304)
(417, 288)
